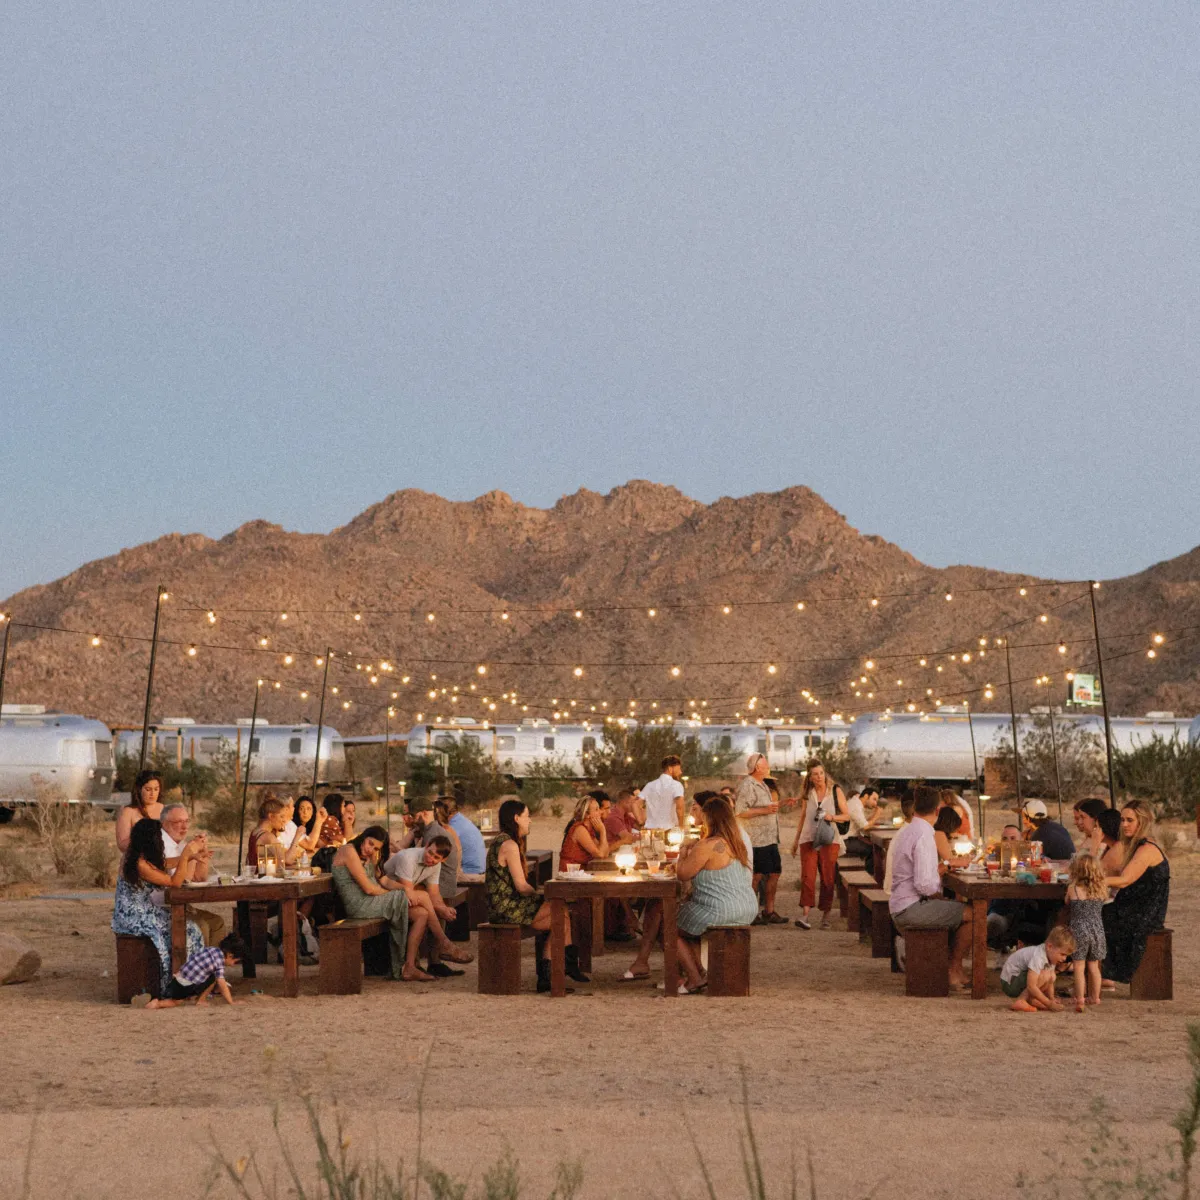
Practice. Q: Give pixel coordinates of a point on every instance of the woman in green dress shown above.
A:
(513, 900)
(366, 892)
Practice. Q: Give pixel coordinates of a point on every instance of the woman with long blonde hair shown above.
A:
(818, 841)
(585, 837)
(1143, 890)
(719, 867)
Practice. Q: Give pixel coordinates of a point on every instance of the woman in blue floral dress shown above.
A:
(138, 912)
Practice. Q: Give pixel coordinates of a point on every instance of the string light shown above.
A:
(1062, 647)
(578, 672)
(481, 669)
(504, 616)
(262, 641)
(726, 609)
(874, 601)
(1158, 639)
(800, 606)
(949, 595)
(676, 672)
(1151, 653)
(653, 612)
(283, 616)
(772, 669)
(95, 639)
(429, 616)
(191, 651)
(288, 660)
(212, 617)
(579, 614)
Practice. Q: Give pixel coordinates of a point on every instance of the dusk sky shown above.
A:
(939, 262)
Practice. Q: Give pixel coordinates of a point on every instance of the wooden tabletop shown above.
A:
(881, 837)
(611, 887)
(1000, 887)
(278, 889)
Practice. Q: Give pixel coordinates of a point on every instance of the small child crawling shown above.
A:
(1028, 974)
(202, 972)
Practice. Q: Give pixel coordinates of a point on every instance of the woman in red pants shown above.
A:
(818, 841)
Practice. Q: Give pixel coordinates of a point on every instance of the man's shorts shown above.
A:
(767, 860)
(931, 912)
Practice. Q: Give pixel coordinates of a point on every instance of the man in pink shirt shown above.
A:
(916, 901)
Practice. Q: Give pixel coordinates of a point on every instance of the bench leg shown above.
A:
(843, 896)
(459, 930)
(852, 908)
(500, 961)
(883, 933)
(137, 968)
(340, 970)
(729, 963)
(1154, 979)
(927, 962)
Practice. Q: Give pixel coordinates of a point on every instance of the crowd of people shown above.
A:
(730, 870)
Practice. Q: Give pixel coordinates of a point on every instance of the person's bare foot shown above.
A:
(1089, 1000)
(415, 975)
(1020, 1005)
(1053, 1006)
(1080, 1005)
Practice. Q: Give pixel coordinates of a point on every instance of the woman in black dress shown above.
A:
(1142, 891)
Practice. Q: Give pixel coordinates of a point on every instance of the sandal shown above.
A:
(630, 977)
(459, 956)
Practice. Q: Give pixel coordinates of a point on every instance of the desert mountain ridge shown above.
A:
(612, 557)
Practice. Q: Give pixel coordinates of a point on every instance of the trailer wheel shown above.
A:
(6, 814)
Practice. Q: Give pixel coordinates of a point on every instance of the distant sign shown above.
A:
(1083, 689)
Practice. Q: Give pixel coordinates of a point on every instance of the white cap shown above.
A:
(1034, 808)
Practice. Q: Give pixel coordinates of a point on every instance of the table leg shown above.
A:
(249, 968)
(558, 948)
(978, 949)
(597, 925)
(670, 958)
(178, 936)
(291, 966)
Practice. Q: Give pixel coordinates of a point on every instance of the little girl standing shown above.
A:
(1086, 895)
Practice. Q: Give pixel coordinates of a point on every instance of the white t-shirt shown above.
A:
(660, 796)
(858, 815)
(288, 836)
(1028, 958)
(171, 848)
(409, 865)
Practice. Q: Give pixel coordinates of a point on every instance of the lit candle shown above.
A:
(675, 838)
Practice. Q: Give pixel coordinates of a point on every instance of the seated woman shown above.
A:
(272, 818)
(1143, 889)
(718, 866)
(512, 899)
(945, 828)
(585, 837)
(1112, 857)
(1087, 821)
(338, 826)
(365, 892)
(309, 823)
(950, 797)
(144, 801)
(143, 872)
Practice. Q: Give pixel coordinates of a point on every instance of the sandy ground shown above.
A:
(896, 1097)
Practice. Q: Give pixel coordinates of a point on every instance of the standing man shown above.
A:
(663, 796)
(758, 812)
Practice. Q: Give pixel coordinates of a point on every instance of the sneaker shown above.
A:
(826, 923)
(759, 920)
(773, 918)
(801, 923)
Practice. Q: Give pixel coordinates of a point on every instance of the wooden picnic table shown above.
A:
(285, 892)
(977, 891)
(561, 892)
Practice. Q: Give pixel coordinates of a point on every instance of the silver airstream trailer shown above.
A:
(52, 755)
(280, 754)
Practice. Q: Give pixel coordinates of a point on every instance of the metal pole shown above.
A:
(246, 778)
(387, 783)
(975, 760)
(1057, 772)
(320, 722)
(4, 660)
(158, 603)
(1112, 787)
(1012, 709)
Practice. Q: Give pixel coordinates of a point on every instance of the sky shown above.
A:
(939, 262)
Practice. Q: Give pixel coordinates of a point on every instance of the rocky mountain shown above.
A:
(503, 582)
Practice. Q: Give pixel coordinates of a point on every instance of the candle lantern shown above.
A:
(626, 859)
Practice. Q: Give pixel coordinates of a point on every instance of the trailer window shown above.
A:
(104, 754)
(726, 742)
(548, 743)
(589, 745)
(294, 745)
(762, 745)
(470, 739)
(506, 742)
(212, 745)
(782, 741)
(812, 739)
(444, 741)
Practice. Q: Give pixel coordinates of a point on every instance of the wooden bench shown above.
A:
(340, 971)
(137, 968)
(854, 882)
(728, 960)
(500, 958)
(926, 962)
(1155, 977)
(847, 862)
(875, 922)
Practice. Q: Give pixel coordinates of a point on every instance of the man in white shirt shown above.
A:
(418, 869)
(865, 813)
(916, 900)
(663, 796)
(174, 821)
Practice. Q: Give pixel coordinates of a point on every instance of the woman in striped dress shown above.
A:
(719, 869)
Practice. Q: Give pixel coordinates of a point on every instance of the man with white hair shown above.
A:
(174, 820)
(758, 812)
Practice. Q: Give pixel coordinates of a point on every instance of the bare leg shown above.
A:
(772, 889)
(1093, 978)
(416, 931)
(1079, 969)
(958, 954)
(651, 923)
(693, 976)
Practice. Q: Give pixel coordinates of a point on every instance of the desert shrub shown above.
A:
(463, 770)
(544, 780)
(223, 812)
(1068, 756)
(99, 859)
(14, 866)
(630, 757)
(1167, 773)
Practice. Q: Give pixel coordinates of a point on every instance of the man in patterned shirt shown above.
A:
(202, 972)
